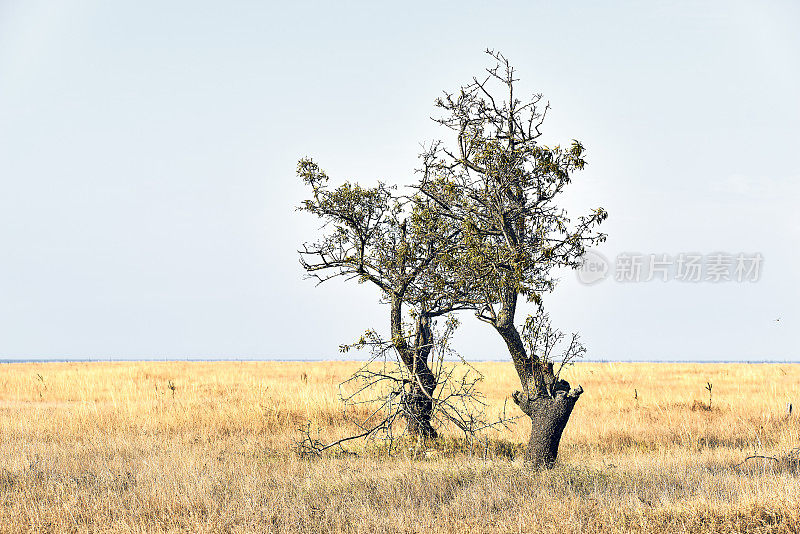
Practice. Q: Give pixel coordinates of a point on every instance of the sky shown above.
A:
(148, 154)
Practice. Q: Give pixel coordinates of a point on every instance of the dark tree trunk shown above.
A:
(417, 402)
(418, 408)
(549, 417)
(547, 400)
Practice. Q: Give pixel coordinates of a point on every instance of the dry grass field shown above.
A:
(207, 447)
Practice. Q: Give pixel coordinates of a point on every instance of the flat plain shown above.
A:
(210, 447)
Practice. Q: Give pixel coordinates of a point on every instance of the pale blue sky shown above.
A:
(147, 157)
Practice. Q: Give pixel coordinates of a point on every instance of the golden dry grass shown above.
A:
(109, 447)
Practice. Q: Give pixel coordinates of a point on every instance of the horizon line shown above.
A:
(309, 360)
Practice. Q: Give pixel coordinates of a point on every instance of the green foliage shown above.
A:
(503, 186)
(377, 235)
(482, 227)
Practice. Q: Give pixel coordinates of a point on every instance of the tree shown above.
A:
(484, 229)
(501, 186)
(398, 244)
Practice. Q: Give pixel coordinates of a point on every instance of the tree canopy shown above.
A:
(482, 227)
(502, 186)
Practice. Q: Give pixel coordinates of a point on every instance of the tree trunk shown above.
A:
(418, 407)
(547, 400)
(418, 401)
(549, 417)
